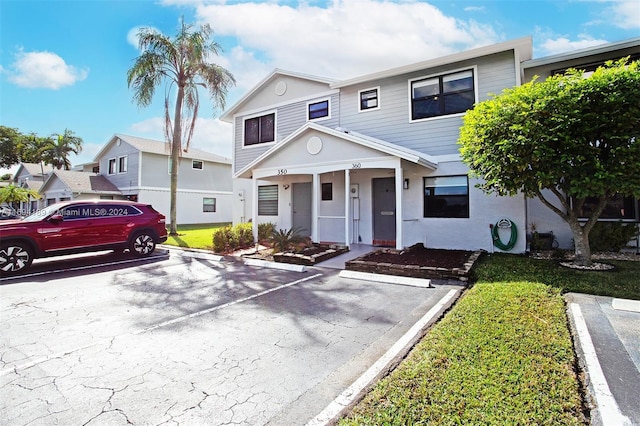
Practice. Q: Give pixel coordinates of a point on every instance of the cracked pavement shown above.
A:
(188, 341)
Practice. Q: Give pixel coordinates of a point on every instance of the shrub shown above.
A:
(230, 238)
(611, 236)
(265, 230)
(284, 239)
(243, 235)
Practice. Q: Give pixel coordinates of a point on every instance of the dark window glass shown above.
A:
(618, 207)
(112, 166)
(122, 164)
(197, 164)
(327, 191)
(318, 110)
(268, 200)
(446, 196)
(447, 94)
(259, 129)
(369, 99)
(209, 205)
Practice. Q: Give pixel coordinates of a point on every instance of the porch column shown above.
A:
(254, 208)
(399, 215)
(347, 199)
(315, 194)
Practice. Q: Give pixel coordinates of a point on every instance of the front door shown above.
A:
(302, 208)
(384, 212)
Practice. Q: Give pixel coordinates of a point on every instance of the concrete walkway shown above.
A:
(607, 340)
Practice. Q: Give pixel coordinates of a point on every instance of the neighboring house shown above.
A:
(140, 168)
(31, 176)
(64, 185)
(626, 209)
(375, 159)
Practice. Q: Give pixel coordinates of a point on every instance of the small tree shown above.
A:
(183, 63)
(12, 195)
(574, 136)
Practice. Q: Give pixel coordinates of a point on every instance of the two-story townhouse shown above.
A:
(140, 169)
(626, 209)
(374, 159)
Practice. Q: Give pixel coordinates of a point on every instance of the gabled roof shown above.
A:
(353, 137)
(163, 148)
(523, 46)
(227, 116)
(581, 53)
(33, 169)
(84, 183)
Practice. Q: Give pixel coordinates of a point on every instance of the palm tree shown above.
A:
(183, 63)
(57, 151)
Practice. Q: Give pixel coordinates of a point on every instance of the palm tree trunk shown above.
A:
(176, 146)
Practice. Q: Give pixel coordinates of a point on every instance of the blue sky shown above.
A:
(63, 63)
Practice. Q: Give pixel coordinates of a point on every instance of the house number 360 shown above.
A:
(282, 172)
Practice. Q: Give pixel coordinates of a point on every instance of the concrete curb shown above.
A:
(275, 265)
(626, 305)
(354, 392)
(389, 279)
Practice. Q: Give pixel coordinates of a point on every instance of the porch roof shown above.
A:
(351, 137)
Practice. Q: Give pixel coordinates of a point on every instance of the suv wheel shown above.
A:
(15, 257)
(142, 244)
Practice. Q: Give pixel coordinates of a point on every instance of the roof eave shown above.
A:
(523, 45)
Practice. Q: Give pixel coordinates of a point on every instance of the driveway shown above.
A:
(186, 339)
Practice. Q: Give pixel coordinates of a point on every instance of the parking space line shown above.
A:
(154, 327)
(605, 402)
(225, 305)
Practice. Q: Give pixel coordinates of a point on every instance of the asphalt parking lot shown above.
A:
(183, 339)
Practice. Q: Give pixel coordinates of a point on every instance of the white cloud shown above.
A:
(44, 70)
(624, 14)
(563, 44)
(343, 39)
(210, 134)
(132, 35)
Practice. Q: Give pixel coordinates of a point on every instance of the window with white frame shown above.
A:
(268, 200)
(260, 129)
(442, 95)
(209, 205)
(122, 164)
(197, 164)
(446, 196)
(112, 166)
(369, 99)
(317, 110)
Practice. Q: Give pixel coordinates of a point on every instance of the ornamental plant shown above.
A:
(565, 140)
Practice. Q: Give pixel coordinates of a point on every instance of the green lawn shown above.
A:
(502, 355)
(195, 236)
(621, 282)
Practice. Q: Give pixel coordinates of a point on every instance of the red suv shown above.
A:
(78, 227)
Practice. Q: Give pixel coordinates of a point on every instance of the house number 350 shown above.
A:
(356, 165)
(282, 172)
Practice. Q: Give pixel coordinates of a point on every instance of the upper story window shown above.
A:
(442, 95)
(197, 164)
(369, 99)
(260, 129)
(316, 110)
(122, 164)
(112, 166)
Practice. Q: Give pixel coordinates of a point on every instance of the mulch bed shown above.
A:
(418, 262)
(421, 256)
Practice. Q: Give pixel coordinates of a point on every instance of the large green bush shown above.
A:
(612, 236)
(230, 238)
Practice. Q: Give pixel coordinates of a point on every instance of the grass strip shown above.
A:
(195, 236)
(503, 355)
(620, 282)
